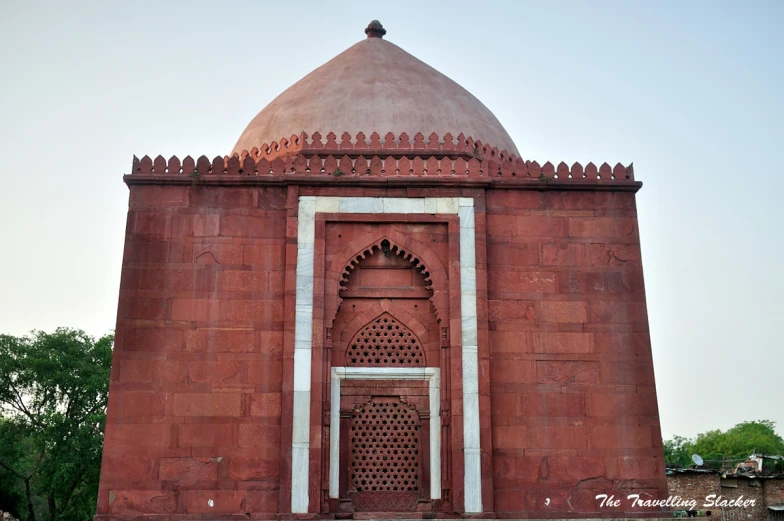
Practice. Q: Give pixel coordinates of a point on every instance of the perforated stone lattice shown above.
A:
(385, 448)
(385, 343)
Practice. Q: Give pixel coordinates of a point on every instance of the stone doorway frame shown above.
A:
(431, 374)
(307, 209)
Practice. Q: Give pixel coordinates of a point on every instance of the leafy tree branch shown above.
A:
(53, 395)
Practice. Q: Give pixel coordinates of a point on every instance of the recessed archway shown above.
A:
(427, 263)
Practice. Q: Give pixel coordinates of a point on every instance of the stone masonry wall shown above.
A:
(573, 401)
(197, 423)
(194, 418)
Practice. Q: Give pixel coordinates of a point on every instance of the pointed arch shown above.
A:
(385, 342)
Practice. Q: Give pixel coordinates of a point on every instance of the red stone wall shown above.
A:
(573, 402)
(195, 399)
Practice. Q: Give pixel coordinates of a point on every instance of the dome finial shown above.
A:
(375, 30)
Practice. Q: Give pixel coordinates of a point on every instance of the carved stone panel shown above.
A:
(385, 342)
(385, 471)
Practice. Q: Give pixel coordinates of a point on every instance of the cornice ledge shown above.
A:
(392, 181)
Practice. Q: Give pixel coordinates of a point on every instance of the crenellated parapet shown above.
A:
(396, 156)
(369, 145)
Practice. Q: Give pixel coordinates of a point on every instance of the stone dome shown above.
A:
(375, 86)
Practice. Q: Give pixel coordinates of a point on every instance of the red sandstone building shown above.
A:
(375, 305)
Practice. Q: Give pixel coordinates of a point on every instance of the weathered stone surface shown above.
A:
(567, 372)
(133, 502)
(245, 469)
(188, 470)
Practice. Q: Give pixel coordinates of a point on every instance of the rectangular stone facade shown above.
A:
(572, 393)
(197, 375)
(200, 411)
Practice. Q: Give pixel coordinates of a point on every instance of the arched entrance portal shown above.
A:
(385, 435)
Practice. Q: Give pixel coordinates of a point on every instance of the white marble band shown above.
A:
(472, 468)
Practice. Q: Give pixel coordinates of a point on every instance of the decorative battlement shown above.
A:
(369, 146)
(395, 156)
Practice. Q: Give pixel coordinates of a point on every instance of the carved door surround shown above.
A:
(385, 323)
(318, 309)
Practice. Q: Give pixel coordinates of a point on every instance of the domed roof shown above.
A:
(375, 86)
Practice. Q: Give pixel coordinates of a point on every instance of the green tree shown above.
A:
(677, 452)
(728, 447)
(740, 441)
(53, 394)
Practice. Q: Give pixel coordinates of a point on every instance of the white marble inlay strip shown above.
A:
(473, 468)
(303, 342)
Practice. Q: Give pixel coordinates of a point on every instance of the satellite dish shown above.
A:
(697, 459)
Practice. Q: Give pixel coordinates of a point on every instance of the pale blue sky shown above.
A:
(689, 91)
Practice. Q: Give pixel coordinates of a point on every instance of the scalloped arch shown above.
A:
(428, 264)
(398, 250)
